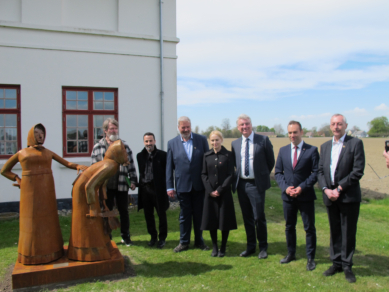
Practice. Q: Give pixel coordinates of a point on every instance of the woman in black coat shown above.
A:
(217, 174)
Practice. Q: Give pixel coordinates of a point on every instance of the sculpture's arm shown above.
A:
(68, 164)
(6, 170)
(95, 181)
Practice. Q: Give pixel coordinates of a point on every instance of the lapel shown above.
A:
(302, 152)
(181, 146)
(237, 153)
(327, 162)
(343, 150)
(195, 143)
(256, 144)
(287, 154)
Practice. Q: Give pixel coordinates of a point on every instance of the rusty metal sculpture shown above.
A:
(88, 239)
(40, 238)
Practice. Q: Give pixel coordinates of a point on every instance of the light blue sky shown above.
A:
(281, 60)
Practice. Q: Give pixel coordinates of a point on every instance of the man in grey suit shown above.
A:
(185, 159)
(341, 166)
(254, 160)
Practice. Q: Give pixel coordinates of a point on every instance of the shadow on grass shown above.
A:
(371, 265)
(176, 269)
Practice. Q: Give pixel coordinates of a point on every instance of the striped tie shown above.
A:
(246, 164)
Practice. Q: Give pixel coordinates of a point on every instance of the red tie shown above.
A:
(295, 157)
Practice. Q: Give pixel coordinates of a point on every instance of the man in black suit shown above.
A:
(341, 166)
(152, 188)
(296, 173)
(254, 160)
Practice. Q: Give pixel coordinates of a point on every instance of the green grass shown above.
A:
(158, 270)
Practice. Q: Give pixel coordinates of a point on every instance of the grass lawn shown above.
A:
(158, 270)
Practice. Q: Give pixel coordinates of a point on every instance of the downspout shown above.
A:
(161, 70)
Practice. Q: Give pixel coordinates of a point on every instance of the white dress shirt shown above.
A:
(251, 156)
(300, 145)
(335, 152)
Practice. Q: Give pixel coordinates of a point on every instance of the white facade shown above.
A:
(46, 45)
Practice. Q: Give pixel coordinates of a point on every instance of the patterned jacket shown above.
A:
(98, 153)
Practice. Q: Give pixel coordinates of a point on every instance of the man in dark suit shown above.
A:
(185, 158)
(254, 160)
(296, 173)
(341, 166)
(152, 188)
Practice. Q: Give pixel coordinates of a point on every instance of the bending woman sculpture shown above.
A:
(40, 238)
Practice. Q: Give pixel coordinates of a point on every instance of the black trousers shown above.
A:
(307, 210)
(343, 218)
(150, 201)
(122, 205)
(252, 204)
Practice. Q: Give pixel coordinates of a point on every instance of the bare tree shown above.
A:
(279, 130)
(197, 130)
(226, 125)
(325, 129)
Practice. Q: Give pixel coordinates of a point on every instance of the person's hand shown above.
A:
(298, 191)
(133, 186)
(333, 196)
(171, 194)
(81, 167)
(289, 190)
(215, 194)
(386, 155)
(18, 182)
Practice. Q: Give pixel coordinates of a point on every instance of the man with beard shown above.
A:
(152, 188)
(117, 187)
(185, 158)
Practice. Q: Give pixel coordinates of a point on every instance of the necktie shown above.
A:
(246, 158)
(295, 157)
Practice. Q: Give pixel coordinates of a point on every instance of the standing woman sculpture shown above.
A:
(40, 238)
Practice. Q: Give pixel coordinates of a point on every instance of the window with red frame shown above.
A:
(84, 111)
(9, 120)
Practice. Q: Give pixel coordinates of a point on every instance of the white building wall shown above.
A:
(48, 44)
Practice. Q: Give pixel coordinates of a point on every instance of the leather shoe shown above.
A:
(221, 254)
(311, 265)
(332, 271)
(181, 247)
(152, 242)
(214, 253)
(262, 254)
(286, 260)
(246, 253)
(161, 243)
(350, 277)
(202, 246)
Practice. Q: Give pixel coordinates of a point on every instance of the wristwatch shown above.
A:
(339, 190)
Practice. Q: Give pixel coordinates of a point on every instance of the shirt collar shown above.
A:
(341, 140)
(251, 137)
(300, 145)
(191, 137)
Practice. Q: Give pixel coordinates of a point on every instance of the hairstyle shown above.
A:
(243, 117)
(217, 133)
(41, 127)
(183, 119)
(339, 115)
(149, 134)
(295, 123)
(110, 120)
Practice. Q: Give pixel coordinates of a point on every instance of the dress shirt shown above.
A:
(300, 145)
(188, 146)
(335, 152)
(251, 156)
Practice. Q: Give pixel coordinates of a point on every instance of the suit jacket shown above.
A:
(349, 170)
(304, 175)
(159, 177)
(263, 161)
(187, 174)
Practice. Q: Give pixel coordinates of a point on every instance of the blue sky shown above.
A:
(281, 60)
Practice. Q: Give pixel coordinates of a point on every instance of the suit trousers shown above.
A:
(191, 205)
(150, 201)
(343, 218)
(252, 204)
(307, 210)
(122, 205)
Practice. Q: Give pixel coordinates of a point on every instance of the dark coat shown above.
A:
(304, 175)
(159, 174)
(217, 174)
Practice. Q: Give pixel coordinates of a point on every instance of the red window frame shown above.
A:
(13, 111)
(90, 112)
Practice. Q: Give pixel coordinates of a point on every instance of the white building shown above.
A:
(68, 64)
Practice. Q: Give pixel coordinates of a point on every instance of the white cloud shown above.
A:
(357, 111)
(309, 117)
(382, 107)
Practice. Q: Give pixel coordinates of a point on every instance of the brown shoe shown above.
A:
(181, 247)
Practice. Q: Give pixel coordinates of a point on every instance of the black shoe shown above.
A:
(202, 246)
(311, 265)
(350, 277)
(161, 243)
(262, 254)
(181, 247)
(152, 242)
(221, 254)
(332, 271)
(247, 253)
(214, 253)
(286, 260)
(127, 241)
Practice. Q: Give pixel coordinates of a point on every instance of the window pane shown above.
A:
(97, 96)
(72, 146)
(1, 93)
(108, 105)
(71, 121)
(108, 96)
(83, 134)
(82, 105)
(71, 105)
(10, 103)
(71, 134)
(1, 103)
(71, 95)
(10, 134)
(10, 120)
(83, 95)
(98, 105)
(2, 134)
(11, 148)
(10, 93)
(83, 147)
(2, 148)
(98, 133)
(98, 121)
(83, 121)
(1, 120)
